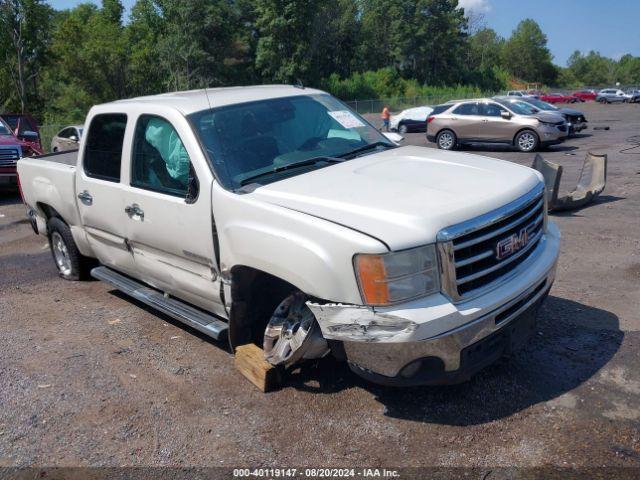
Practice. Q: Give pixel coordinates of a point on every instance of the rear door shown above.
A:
(99, 191)
(466, 121)
(169, 216)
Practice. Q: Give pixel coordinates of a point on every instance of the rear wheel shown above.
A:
(527, 141)
(71, 264)
(446, 140)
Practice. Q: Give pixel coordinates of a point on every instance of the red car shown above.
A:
(19, 137)
(585, 95)
(559, 98)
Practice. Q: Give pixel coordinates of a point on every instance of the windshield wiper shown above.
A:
(290, 166)
(364, 148)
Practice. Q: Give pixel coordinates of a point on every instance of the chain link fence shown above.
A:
(396, 104)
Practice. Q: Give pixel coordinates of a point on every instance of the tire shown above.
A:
(602, 101)
(55, 149)
(293, 334)
(71, 264)
(526, 141)
(402, 129)
(446, 140)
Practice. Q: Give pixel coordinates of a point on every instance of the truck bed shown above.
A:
(48, 181)
(68, 157)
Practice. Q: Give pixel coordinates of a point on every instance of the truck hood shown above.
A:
(403, 196)
(549, 117)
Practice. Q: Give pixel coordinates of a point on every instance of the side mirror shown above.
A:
(193, 187)
(73, 138)
(29, 135)
(505, 115)
(394, 137)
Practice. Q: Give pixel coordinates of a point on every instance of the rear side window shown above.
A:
(160, 162)
(103, 151)
(439, 109)
(468, 109)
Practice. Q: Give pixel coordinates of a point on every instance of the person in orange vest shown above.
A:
(385, 116)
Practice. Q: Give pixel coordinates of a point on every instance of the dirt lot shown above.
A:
(89, 377)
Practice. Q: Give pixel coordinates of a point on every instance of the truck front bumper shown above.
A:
(433, 341)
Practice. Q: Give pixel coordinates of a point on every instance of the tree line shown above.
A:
(58, 63)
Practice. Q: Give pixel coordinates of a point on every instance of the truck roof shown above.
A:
(192, 101)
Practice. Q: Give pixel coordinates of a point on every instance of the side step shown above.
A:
(203, 322)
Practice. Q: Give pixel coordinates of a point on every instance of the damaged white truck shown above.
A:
(278, 216)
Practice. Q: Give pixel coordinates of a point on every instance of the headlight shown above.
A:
(394, 277)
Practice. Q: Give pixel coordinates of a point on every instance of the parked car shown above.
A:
(13, 147)
(559, 98)
(25, 128)
(411, 120)
(576, 121)
(485, 120)
(585, 95)
(612, 95)
(633, 94)
(518, 93)
(67, 139)
(281, 217)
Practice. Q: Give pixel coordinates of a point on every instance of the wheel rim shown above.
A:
(402, 129)
(526, 141)
(292, 333)
(446, 141)
(61, 253)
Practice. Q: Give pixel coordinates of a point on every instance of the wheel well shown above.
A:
(523, 130)
(445, 129)
(49, 212)
(254, 297)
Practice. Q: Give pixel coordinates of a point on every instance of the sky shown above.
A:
(611, 28)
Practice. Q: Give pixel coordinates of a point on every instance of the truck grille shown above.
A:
(9, 156)
(478, 253)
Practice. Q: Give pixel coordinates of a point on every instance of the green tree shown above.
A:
(526, 54)
(24, 36)
(592, 69)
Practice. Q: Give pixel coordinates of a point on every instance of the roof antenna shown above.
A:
(299, 84)
(206, 92)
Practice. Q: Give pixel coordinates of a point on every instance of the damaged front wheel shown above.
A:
(293, 334)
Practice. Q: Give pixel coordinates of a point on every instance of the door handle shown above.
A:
(134, 210)
(85, 197)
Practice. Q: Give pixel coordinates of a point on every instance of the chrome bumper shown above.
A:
(389, 359)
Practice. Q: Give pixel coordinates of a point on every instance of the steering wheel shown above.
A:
(310, 143)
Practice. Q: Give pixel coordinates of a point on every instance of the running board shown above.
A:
(203, 322)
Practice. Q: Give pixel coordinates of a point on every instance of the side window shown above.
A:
(467, 109)
(491, 110)
(160, 162)
(64, 133)
(103, 151)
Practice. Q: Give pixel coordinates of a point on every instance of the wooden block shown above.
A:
(251, 363)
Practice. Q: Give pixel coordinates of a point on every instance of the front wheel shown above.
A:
(292, 334)
(402, 129)
(446, 140)
(527, 141)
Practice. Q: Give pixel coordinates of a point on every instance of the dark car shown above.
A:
(17, 139)
(575, 118)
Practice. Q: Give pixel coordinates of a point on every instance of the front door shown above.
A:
(99, 191)
(168, 203)
(495, 128)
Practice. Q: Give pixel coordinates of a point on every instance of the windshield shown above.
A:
(3, 129)
(519, 107)
(542, 105)
(258, 139)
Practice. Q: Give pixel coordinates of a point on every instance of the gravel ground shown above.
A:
(91, 378)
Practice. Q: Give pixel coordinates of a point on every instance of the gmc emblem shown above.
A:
(510, 245)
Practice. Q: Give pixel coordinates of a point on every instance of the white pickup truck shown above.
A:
(276, 215)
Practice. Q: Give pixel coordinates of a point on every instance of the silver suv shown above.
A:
(494, 121)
